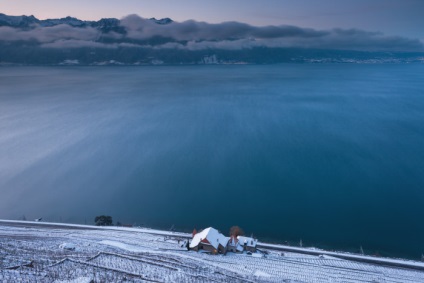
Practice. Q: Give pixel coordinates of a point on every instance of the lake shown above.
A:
(332, 154)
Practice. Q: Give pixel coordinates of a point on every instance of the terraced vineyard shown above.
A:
(37, 254)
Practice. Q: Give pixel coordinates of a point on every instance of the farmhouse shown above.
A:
(209, 240)
(212, 241)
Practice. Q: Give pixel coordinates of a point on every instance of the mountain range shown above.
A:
(29, 21)
(134, 40)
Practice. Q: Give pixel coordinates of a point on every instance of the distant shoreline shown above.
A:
(365, 62)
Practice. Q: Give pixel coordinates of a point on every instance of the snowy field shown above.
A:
(73, 254)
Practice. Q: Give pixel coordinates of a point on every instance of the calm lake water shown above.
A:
(330, 154)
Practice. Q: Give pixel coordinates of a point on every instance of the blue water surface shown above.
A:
(330, 154)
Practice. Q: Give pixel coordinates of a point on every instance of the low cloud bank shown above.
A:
(192, 35)
(49, 34)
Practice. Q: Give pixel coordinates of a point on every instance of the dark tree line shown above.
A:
(103, 220)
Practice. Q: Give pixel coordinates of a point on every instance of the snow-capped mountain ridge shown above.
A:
(163, 21)
(67, 21)
(30, 41)
(18, 21)
(31, 21)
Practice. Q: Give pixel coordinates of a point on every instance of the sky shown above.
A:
(392, 17)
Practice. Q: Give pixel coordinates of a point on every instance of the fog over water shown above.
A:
(330, 154)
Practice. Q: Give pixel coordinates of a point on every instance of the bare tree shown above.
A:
(236, 231)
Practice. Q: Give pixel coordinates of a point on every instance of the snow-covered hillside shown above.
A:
(77, 254)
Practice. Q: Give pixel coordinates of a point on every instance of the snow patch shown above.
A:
(68, 246)
(259, 273)
(76, 280)
(122, 246)
(329, 257)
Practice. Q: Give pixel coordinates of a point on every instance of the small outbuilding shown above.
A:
(234, 246)
(209, 240)
(248, 243)
(241, 244)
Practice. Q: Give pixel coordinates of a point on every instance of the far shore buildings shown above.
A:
(211, 240)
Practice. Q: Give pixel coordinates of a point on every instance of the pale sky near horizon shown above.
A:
(392, 17)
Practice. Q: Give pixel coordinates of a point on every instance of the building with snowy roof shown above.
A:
(234, 246)
(248, 243)
(241, 244)
(210, 240)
